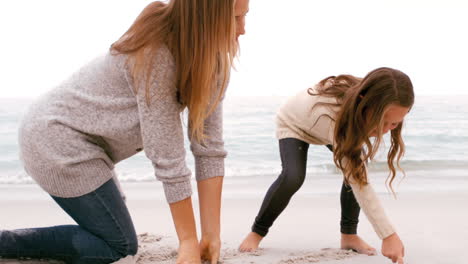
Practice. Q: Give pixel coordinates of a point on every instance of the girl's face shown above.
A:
(392, 117)
(240, 11)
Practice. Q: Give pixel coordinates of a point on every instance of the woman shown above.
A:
(345, 112)
(176, 55)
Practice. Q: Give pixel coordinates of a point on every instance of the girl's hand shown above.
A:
(393, 248)
(189, 252)
(210, 248)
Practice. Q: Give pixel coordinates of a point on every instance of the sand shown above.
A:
(433, 225)
(153, 249)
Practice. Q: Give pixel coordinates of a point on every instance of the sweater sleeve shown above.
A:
(370, 204)
(209, 155)
(161, 128)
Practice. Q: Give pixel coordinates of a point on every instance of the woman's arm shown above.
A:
(184, 222)
(209, 171)
(209, 193)
(161, 127)
(163, 142)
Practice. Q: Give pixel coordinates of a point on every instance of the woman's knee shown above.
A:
(132, 245)
(126, 246)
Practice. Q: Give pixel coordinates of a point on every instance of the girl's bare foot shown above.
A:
(355, 243)
(250, 242)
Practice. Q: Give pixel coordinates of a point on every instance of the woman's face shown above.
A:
(240, 11)
(392, 117)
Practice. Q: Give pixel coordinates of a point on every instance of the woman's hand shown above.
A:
(210, 247)
(189, 252)
(393, 248)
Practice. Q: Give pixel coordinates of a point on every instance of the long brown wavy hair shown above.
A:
(363, 102)
(201, 37)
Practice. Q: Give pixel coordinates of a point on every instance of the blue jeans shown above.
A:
(104, 233)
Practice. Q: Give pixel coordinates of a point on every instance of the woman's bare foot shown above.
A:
(250, 242)
(355, 243)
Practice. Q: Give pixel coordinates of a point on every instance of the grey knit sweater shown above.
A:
(72, 137)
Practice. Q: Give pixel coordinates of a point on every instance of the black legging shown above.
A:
(294, 162)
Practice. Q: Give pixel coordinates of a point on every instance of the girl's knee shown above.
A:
(292, 180)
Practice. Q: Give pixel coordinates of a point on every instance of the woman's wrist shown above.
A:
(189, 240)
(210, 235)
(210, 229)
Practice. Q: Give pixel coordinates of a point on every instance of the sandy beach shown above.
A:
(432, 224)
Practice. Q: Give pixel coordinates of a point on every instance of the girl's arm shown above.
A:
(370, 204)
(392, 246)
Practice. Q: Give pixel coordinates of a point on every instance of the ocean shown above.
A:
(435, 134)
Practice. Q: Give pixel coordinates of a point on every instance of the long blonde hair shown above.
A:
(201, 37)
(363, 103)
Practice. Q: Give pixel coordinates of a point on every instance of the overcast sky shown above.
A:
(289, 45)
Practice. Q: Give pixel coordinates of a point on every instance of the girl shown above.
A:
(176, 55)
(344, 112)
